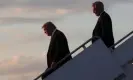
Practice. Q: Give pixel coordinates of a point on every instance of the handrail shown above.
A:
(121, 39)
(45, 74)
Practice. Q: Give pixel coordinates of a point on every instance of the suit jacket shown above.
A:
(103, 29)
(58, 49)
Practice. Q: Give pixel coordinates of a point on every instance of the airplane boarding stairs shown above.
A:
(97, 62)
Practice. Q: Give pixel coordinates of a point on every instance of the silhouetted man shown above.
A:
(103, 28)
(58, 47)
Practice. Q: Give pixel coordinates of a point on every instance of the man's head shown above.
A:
(48, 28)
(98, 7)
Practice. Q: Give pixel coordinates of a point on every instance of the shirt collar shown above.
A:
(101, 13)
(53, 32)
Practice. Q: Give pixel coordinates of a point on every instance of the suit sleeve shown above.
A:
(105, 27)
(56, 50)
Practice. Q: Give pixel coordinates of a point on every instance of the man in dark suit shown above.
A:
(58, 47)
(103, 28)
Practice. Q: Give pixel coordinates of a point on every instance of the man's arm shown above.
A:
(106, 23)
(56, 51)
(61, 48)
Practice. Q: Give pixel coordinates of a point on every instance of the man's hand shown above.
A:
(53, 64)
